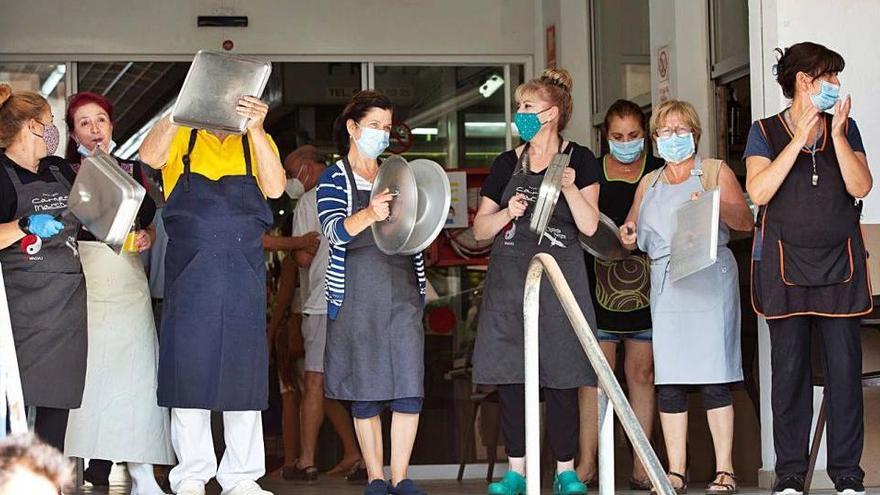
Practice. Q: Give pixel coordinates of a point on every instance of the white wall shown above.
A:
(848, 27)
(683, 26)
(277, 27)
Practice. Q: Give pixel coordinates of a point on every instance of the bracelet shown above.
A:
(24, 225)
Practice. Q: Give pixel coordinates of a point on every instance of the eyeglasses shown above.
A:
(680, 131)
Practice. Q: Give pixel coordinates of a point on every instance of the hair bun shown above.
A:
(5, 93)
(559, 77)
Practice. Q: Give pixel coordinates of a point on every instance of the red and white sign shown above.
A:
(550, 46)
(663, 63)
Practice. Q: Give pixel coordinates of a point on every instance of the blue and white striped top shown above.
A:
(335, 203)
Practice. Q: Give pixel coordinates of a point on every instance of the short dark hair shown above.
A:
(624, 108)
(810, 58)
(27, 453)
(359, 105)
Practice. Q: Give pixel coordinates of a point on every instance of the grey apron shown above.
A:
(498, 352)
(375, 346)
(696, 319)
(47, 300)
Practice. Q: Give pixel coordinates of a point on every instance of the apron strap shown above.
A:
(352, 186)
(56, 172)
(193, 135)
(13, 176)
(246, 148)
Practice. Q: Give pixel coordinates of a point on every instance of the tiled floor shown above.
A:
(336, 486)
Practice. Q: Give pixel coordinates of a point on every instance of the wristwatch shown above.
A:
(24, 224)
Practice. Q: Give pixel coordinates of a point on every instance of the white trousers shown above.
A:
(244, 458)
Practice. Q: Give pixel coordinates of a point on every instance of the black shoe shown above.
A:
(95, 478)
(790, 484)
(849, 486)
(377, 487)
(357, 476)
(294, 473)
(405, 487)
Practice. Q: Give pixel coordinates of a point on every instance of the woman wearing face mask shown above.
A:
(41, 269)
(805, 169)
(374, 353)
(119, 418)
(621, 289)
(509, 194)
(696, 320)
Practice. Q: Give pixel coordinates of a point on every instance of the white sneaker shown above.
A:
(246, 487)
(191, 487)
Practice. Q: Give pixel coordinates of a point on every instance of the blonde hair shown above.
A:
(554, 85)
(16, 109)
(685, 110)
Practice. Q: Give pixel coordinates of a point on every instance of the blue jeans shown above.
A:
(617, 338)
(370, 409)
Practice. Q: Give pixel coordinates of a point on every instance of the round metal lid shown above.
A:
(548, 195)
(605, 243)
(432, 209)
(395, 175)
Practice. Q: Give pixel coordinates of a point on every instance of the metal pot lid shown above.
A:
(605, 242)
(548, 194)
(432, 209)
(396, 175)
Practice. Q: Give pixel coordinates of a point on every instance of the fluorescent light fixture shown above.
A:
(425, 131)
(52, 81)
(131, 146)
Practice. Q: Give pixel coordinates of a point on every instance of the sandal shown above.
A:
(640, 485)
(718, 487)
(679, 490)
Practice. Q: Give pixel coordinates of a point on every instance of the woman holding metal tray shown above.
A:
(696, 319)
(119, 419)
(41, 268)
(806, 168)
(621, 288)
(509, 199)
(374, 354)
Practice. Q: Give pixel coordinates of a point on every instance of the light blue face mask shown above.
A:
(372, 141)
(826, 97)
(675, 148)
(627, 151)
(82, 150)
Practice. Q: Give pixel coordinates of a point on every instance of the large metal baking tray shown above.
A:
(105, 199)
(548, 194)
(695, 241)
(434, 196)
(605, 242)
(214, 84)
(396, 175)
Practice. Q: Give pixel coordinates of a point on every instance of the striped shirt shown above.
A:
(335, 204)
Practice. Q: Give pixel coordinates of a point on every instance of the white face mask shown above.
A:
(88, 152)
(294, 188)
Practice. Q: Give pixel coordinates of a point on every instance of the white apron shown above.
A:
(119, 419)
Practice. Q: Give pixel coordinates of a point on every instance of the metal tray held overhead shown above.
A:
(605, 243)
(419, 208)
(214, 84)
(548, 194)
(694, 244)
(105, 199)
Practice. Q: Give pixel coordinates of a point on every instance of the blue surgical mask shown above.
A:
(627, 151)
(372, 141)
(82, 150)
(528, 124)
(826, 97)
(675, 148)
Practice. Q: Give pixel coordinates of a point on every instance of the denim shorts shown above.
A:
(618, 337)
(369, 409)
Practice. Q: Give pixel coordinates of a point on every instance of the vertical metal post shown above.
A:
(540, 264)
(606, 443)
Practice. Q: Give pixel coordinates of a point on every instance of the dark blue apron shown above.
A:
(213, 352)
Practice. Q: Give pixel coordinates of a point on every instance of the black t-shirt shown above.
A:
(583, 161)
(8, 196)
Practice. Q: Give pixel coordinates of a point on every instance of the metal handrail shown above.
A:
(544, 263)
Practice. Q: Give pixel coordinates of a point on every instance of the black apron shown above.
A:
(808, 256)
(47, 299)
(375, 346)
(213, 352)
(498, 352)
